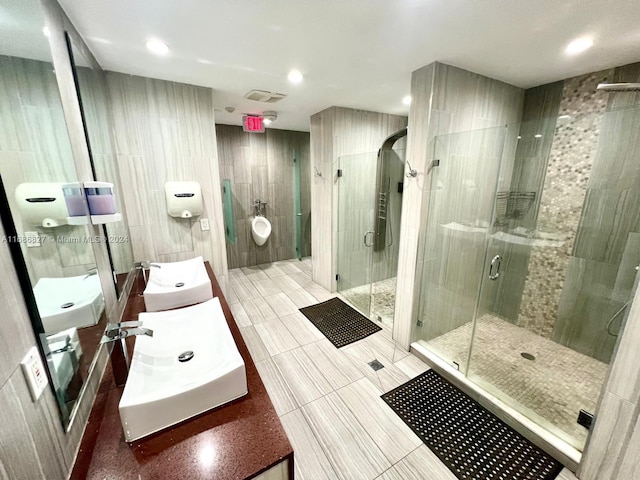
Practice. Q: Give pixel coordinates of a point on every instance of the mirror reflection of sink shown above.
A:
(189, 366)
(69, 302)
(177, 284)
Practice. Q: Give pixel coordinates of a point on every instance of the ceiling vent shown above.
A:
(264, 96)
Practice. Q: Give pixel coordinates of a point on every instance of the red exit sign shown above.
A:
(252, 123)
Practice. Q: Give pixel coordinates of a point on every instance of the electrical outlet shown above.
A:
(32, 239)
(204, 224)
(34, 373)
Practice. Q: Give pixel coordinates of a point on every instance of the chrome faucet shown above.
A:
(90, 273)
(119, 331)
(143, 266)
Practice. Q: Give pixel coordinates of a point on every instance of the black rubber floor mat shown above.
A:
(472, 442)
(339, 322)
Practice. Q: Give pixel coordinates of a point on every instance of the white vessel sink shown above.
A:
(69, 302)
(177, 284)
(161, 390)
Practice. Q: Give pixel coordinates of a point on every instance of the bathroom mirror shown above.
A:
(92, 93)
(45, 210)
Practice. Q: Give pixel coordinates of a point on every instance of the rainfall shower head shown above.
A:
(619, 87)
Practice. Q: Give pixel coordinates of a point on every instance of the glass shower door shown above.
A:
(356, 215)
(464, 175)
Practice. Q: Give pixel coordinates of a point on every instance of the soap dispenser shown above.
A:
(184, 199)
(102, 202)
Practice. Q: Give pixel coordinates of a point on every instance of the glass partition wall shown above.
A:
(369, 207)
(530, 261)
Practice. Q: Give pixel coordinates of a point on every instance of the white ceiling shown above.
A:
(353, 53)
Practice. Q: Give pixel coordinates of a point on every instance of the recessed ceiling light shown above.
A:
(537, 135)
(295, 76)
(46, 31)
(406, 100)
(157, 47)
(578, 45)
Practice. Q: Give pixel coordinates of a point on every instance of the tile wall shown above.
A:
(260, 166)
(164, 131)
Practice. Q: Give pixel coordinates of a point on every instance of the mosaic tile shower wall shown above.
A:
(568, 170)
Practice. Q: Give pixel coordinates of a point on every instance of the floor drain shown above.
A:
(376, 365)
(528, 356)
(185, 356)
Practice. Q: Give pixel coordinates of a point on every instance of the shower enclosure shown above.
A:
(369, 206)
(530, 260)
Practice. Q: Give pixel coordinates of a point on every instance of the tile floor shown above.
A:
(328, 399)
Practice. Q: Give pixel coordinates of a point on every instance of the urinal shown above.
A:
(260, 229)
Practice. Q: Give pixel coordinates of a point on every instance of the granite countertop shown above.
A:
(235, 441)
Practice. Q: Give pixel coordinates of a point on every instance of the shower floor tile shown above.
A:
(383, 300)
(550, 390)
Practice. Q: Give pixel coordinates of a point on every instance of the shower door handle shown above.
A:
(495, 264)
(364, 239)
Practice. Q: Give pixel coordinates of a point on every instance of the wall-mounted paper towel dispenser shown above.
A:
(184, 199)
(42, 204)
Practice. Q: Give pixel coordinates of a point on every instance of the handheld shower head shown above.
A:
(619, 87)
